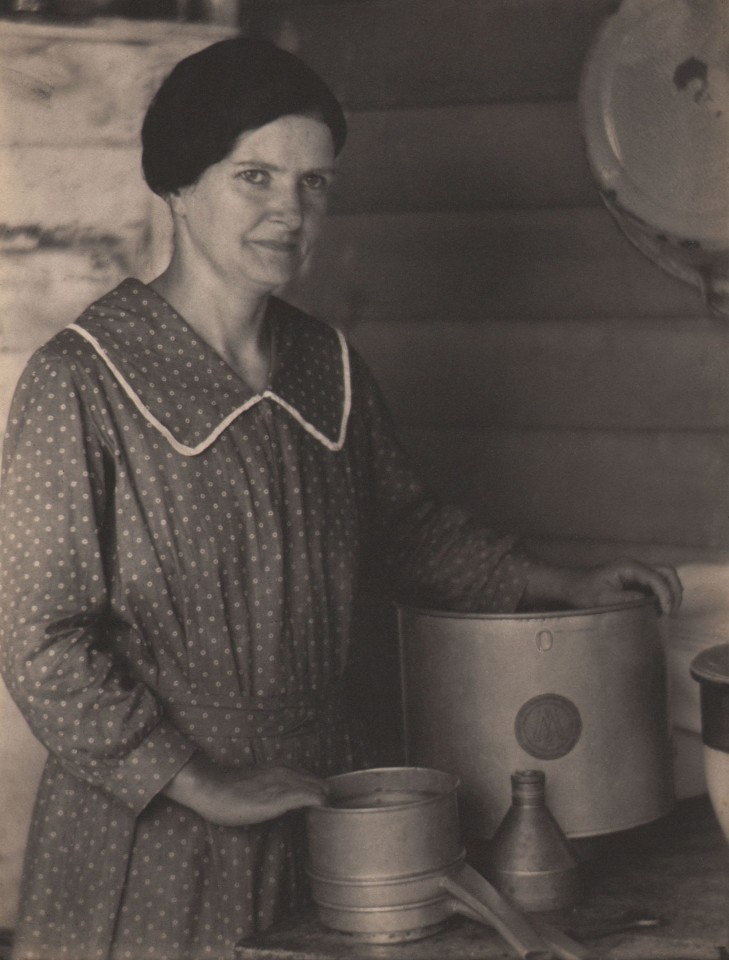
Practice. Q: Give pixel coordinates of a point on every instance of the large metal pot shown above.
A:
(386, 863)
(581, 695)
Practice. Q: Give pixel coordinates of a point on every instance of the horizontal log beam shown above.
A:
(667, 374)
(464, 158)
(652, 487)
(485, 264)
(394, 53)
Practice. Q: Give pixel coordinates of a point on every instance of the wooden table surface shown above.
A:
(676, 871)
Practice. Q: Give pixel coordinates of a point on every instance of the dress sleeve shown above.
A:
(80, 702)
(427, 552)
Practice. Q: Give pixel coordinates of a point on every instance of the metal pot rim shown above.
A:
(530, 615)
(439, 792)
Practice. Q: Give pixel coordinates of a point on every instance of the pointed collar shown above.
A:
(188, 392)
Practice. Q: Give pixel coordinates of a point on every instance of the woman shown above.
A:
(196, 475)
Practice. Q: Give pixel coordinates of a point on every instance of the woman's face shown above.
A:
(254, 216)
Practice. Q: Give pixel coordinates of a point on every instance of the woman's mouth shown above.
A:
(278, 246)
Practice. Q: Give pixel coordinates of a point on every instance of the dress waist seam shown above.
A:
(252, 718)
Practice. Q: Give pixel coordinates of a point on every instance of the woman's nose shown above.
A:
(288, 208)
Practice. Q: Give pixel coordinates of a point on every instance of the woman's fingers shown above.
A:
(628, 580)
(674, 582)
(661, 580)
(240, 796)
(272, 791)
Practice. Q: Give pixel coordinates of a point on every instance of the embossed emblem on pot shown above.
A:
(548, 726)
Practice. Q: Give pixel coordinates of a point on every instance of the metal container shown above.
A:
(654, 112)
(377, 850)
(529, 858)
(711, 669)
(386, 862)
(581, 695)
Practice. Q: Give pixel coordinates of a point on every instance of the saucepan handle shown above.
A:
(561, 945)
(474, 897)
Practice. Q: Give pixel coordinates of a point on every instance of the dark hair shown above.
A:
(213, 96)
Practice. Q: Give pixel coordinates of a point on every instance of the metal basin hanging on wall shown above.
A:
(581, 695)
(654, 110)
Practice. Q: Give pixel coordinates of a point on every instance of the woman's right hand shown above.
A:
(240, 796)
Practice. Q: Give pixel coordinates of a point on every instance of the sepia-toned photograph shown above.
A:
(364, 479)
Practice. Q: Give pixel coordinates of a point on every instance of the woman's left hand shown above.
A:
(603, 585)
(624, 580)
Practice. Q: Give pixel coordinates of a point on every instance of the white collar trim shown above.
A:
(190, 451)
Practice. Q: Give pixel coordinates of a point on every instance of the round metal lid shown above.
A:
(712, 664)
(654, 101)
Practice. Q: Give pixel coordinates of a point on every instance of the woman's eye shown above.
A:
(258, 177)
(315, 181)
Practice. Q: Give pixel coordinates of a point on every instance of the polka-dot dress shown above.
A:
(178, 566)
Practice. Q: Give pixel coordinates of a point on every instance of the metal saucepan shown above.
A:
(386, 864)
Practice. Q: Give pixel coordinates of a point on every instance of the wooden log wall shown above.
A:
(542, 371)
(75, 214)
(75, 217)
